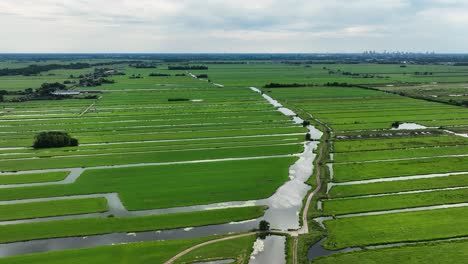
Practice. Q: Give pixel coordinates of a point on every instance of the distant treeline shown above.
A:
(202, 76)
(323, 58)
(34, 69)
(159, 75)
(98, 77)
(224, 62)
(348, 73)
(178, 99)
(430, 99)
(423, 73)
(337, 84)
(143, 65)
(292, 85)
(187, 67)
(283, 85)
(45, 92)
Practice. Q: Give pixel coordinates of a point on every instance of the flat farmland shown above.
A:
(150, 151)
(388, 185)
(164, 155)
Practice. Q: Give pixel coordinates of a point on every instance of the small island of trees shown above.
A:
(54, 139)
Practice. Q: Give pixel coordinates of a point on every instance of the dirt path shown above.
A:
(188, 250)
(295, 243)
(318, 166)
(87, 109)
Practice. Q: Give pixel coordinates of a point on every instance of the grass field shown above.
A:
(366, 148)
(447, 252)
(399, 186)
(150, 187)
(363, 171)
(390, 202)
(32, 178)
(237, 249)
(155, 252)
(52, 208)
(394, 228)
(148, 120)
(93, 226)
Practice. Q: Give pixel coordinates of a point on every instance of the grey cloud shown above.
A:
(234, 26)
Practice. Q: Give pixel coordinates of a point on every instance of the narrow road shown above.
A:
(295, 243)
(318, 166)
(305, 225)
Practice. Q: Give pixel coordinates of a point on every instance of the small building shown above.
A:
(110, 72)
(65, 92)
(90, 91)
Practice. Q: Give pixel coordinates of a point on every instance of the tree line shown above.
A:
(187, 67)
(35, 69)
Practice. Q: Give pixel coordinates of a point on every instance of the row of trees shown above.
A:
(36, 69)
(135, 76)
(187, 67)
(158, 74)
(281, 85)
(423, 73)
(202, 76)
(143, 65)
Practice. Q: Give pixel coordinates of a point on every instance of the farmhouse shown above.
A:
(65, 92)
(69, 92)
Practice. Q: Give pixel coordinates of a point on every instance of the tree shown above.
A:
(54, 139)
(264, 225)
(48, 88)
(396, 124)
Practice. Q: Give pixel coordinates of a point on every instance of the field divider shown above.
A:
(398, 193)
(402, 159)
(390, 179)
(320, 220)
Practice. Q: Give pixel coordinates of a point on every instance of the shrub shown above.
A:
(396, 124)
(202, 76)
(54, 139)
(178, 99)
(264, 225)
(159, 75)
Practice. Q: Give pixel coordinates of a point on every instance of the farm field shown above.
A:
(151, 151)
(180, 158)
(387, 185)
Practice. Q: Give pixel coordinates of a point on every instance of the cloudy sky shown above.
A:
(233, 25)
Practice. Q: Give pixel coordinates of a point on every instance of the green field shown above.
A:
(175, 141)
(32, 178)
(449, 252)
(156, 252)
(365, 148)
(93, 226)
(393, 228)
(52, 208)
(149, 187)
